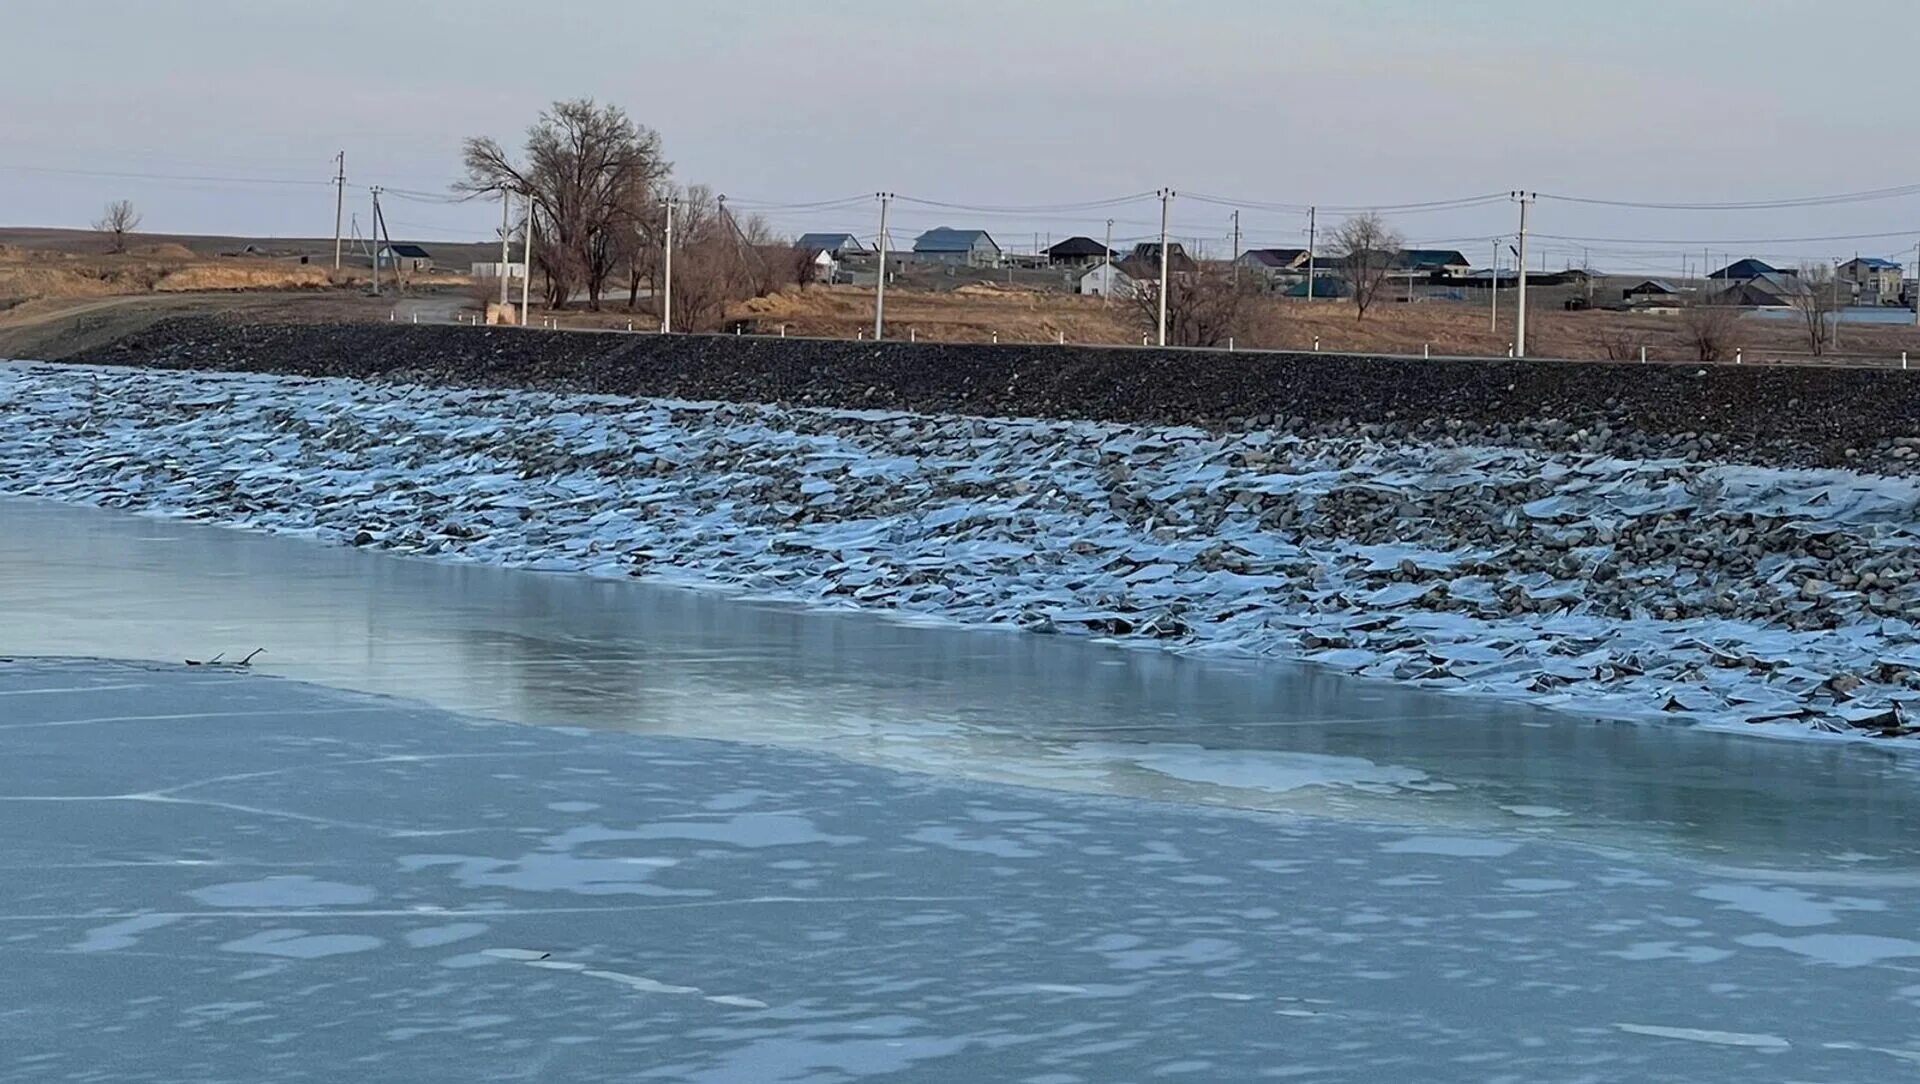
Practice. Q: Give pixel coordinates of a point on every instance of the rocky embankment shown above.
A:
(1555, 566)
(1771, 415)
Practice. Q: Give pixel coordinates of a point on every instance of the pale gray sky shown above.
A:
(1001, 103)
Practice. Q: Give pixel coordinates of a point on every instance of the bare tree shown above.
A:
(1203, 305)
(592, 174)
(1709, 324)
(1616, 344)
(1368, 248)
(119, 220)
(1816, 297)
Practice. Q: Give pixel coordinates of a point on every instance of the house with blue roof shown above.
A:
(1875, 281)
(966, 248)
(1745, 271)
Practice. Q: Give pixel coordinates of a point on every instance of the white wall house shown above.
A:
(1106, 280)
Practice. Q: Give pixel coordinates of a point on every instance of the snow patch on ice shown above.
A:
(120, 935)
(1838, 949)
(293, 890)
(300, 945)
(1273, 771)
(747, 830)
(435, 936)
(1787, 906)
(1451, 846)
(1717, 1038)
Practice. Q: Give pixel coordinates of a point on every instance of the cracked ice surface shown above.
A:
(1754, 599)
(215, 877)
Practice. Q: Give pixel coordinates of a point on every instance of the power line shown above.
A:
(1750, 205)
(487, 234)
(1397, 208)
(771, 205)
(1085, 205)
(132, 176)
(1731, 241)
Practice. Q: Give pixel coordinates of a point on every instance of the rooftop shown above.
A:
(947, 239)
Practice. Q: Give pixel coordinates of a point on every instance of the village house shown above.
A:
(967, 248)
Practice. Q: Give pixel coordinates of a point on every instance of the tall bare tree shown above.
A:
(1816, 297)
(1368, 248)
(592, 174)
(1203, 305)
(117, 221)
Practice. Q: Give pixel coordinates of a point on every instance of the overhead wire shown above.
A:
(1833, 199)
(139, 176)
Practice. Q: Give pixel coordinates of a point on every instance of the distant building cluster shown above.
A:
(1085, 265)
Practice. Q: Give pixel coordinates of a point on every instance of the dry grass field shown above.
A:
(54, 279)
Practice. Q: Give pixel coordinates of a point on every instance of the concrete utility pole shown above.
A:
(666, 293)
(1520, 317)
(1837, 312)
(1106, 268)
(506, 234)
(1166, 197)
(526, 255)
(376, 239)
(339, 204)
(880, 284)
(1916, 285)
(1313, 222)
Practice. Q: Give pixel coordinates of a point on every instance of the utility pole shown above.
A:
(1520, 317)
(666, 293)
(1916, 285)
(1236, 247)
(1106, 268)
(1313, 222)
(526, 256)
(880, 285)
(1493, 320)
(339, 204)
(1837, 311)
(1586, 265)
(506, 233)
(380, 234)
(375, 227)
(1166, 197)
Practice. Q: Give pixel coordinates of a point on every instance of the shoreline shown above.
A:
(1337, 551)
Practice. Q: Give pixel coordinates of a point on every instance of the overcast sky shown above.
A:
(1002, 103)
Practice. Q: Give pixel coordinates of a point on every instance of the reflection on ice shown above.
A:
(1009, 707)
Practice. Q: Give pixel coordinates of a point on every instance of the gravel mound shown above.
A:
(1774, 415)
